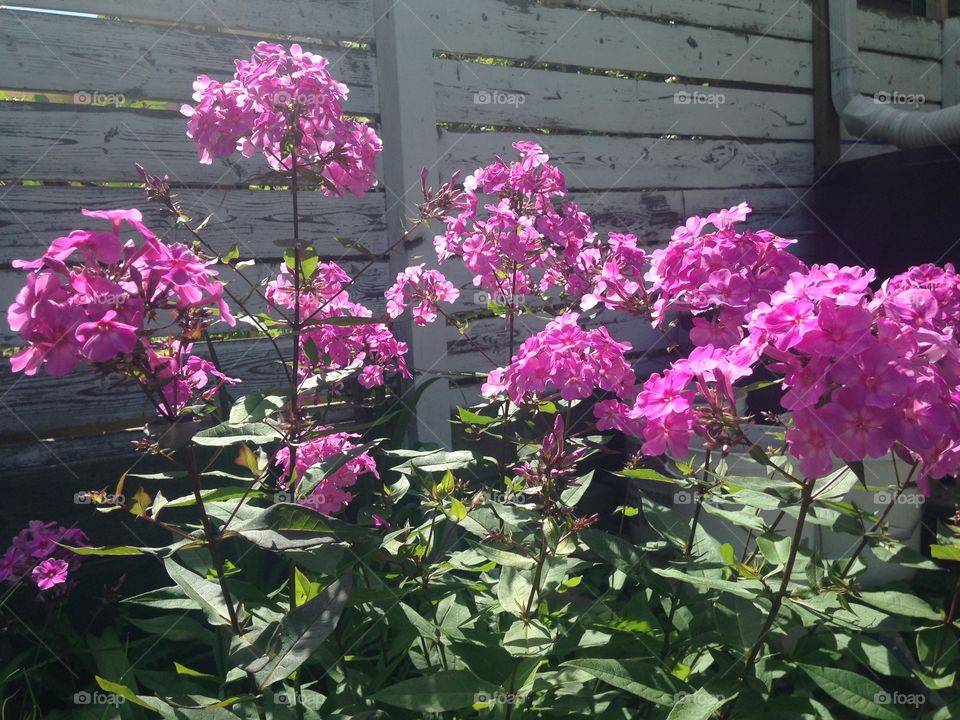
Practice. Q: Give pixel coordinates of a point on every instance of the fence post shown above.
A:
(408, 125)
(950, 67)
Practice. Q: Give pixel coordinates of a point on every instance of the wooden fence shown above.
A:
(654, 109)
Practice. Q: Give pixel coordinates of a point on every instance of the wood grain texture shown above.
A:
(255, 220)
(333, 19)
(146, 61)
(562, 100)
(898, 34)
(598, 163)
(569, 36)
(43, 404)
(66, 142)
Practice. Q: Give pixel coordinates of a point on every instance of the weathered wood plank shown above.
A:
(572, 37)
(597, 162)
(57, 53)
(509, 96)
(899, 34)
(330, 19)
(68, 142)
(255, 220)
(43, 404)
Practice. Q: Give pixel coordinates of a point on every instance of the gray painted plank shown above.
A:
(31, 217)
(599, 162)
(68, 142)
(487, 94)
(569, 36)
(899, 34)
(56, 53)
(334, 19)
(43, 404)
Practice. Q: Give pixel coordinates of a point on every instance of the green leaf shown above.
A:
(502, 556)
(527, 639)
(206, 594)
(440, 692)
(226, 434)
(774, 548)
(513, 590)
(900, 603)
(851, 690)
(126, 693)
(113, 550)
(571, 496)
(290, 642)
(255, 407)
(642, 679)
(745, 589)
(646, 474)
(457, 509)
(286, 526)
(432, 460)
(698, 705)
(945, 552)
(471, 418)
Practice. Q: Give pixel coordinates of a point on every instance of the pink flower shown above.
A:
(858, 430)
(106, 338)
(276, 95)
(423, 289)
(810, 443)
(50, 573)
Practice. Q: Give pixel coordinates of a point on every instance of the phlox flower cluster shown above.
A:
(35, 556)
(330, 495)
(508, 230)
(93, 298)
(328, 346)
(863, 374)
(423, 289)
(287, 106)
(722, 273)
(567, 359)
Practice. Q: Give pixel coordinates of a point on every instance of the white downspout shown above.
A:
(864, 116)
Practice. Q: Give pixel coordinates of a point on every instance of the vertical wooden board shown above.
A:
(569, 36)
(950, 64)
(600, 162)
(469, 92)
(107, 62)
(333, 19)
(256, 221)
(409, 132)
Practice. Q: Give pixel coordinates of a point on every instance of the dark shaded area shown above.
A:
(889, 211)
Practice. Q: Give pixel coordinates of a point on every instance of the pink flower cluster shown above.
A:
(566, 358)
(289, 107)
(863, 376)
(328, 346)
(519, 242)
(329, 496)
(723, 271)
(423, 289)
(34, 552)
(94, 298)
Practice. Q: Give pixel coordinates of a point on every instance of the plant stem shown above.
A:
(880, 519)
(687, 549)
(213, 542)
(806, 500)
(948, 622)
